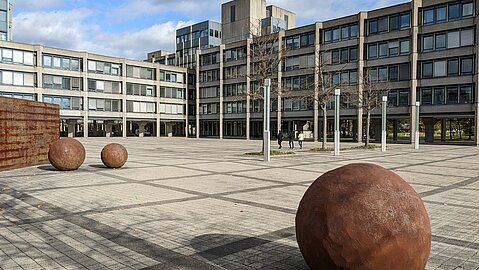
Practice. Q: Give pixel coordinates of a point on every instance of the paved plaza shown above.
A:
(202, 204)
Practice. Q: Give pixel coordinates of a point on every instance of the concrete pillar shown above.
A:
(429, 125)
(85, 126)
(363, 16)
(317, 72)
(443, 129)
(248, 88)
(141, 126)
(222, 48)
(395, 130)
(71, 128)
(377, 129)
(108, 129)
(416, 5)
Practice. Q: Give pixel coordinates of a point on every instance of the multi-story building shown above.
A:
(5, 20)
(99, 95)
(425, 49)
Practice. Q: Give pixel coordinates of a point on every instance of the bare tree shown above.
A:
(371, 97)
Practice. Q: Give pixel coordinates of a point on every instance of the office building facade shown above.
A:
(425, 49)
(98, 95)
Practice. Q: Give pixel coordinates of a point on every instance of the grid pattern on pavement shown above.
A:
(202, 204)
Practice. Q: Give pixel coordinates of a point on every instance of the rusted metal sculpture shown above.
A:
(363, 216)
(66, 154)
(114, 155)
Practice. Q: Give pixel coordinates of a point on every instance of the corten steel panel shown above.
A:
(27, 129)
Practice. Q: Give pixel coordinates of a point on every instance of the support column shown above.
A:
(85, 126)
(141, 127)
(416, 4)
(317, 81)
(363, 16)
(443, 129)
(377, 129)
(71, 128)
(248, 88)
(222, 105)
(429, 125)
(395, 130)
(108, 129)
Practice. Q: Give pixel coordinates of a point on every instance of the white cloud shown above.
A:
(70, 30)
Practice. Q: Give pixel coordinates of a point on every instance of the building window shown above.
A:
(465, 95)
(232, 13)
(427, 68)
(372, 51)
(140, 90)
(453, 67)
(140, 107)
(453, 40)
(428, 43)
(171, 92)
(440, 68)
(104, 68)
(467, 67)
(467, 9)
(104, 86)
(454, 12)
(452, 95)
(439, 97)
(17, 78)
(441, 13)
(467, 37)
(64, 102)
(440, 41)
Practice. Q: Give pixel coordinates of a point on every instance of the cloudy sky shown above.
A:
(131, 28)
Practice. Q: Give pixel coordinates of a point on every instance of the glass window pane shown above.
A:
(383, 25)
(17, 78)
(405, 46)
(28, 58)
(426, 98)
(91, 66)
(428, 43)
(427, 70)
(57, 63)
(439, 96)
(440, 41)
(28, 79)
(354, 30)
(7, 77)
(467, 37)
(373, 27)
(372, 51)
(453, 39)
(428, 16)
(345, 32)
(441, 14)
(466, 66)
(440, 68)
(405, 21)
(453, 67)
(336, 34)
(383, 50)
(18, 57)
(465, 95)
(404, 73)
(467, 9)
(452, 95)
(454, 11)
(393, 23)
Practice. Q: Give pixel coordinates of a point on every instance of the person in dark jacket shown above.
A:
(280, 139)
(291, 140)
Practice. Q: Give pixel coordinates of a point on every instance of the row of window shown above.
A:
(62, 82)
(209, 92)
(19, 96)
(210, 59)
(17, 78)
(398, 98)
(235, 72)
(209, 108)
(104, 105)
(389, 23)
(106, 68)
(171, 92)
(140, 107)
(339, 33)
(343, 55)
(171, 108)
(140, 72)
(447, 12)
(210, 75)
(104, 86)
(447, 67)
(299, 62)
(234, 90)
(449, 40)
(457, 94)
(390, 48)
(65, 103)
(298, 83)
(348, 77)
(140, 90)
(17, 57)
(170, 76)
(235, 106)
(62, 62)
(392, 73)
(299, 41)
(235, 54)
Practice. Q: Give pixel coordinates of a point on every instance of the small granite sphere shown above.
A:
(363, 217)
(66, 154)
(114, 155)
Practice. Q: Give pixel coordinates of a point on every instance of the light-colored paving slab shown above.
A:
(202, 204)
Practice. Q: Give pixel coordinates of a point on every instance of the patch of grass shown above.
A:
(273, 153)
(371, 146)
(321, 150)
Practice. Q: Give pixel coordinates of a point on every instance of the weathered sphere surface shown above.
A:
(66, 154)
(363, 216)
(114, 155)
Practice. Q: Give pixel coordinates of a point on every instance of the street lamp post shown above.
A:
(267, 111)
(384, 123)
(337, 94)
(416, 135)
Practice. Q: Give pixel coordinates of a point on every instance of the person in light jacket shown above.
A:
(300, 139)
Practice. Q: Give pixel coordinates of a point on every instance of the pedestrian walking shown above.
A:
(300, 139)
(291, 139)
(280, 139)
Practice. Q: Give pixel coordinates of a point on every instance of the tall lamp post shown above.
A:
(416, 135)
(384, 123)
(337, 94)
(266, 117)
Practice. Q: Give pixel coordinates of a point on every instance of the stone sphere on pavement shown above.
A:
(114, 155)
(363, 216)
(66, 154)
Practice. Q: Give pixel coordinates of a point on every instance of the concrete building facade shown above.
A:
(426, 49)
(99, 95)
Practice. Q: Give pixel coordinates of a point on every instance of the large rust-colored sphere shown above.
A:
(114, 155)
(66, 154)
(363, 217)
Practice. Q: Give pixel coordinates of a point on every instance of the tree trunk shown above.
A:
(325, 126)
(368, 125)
